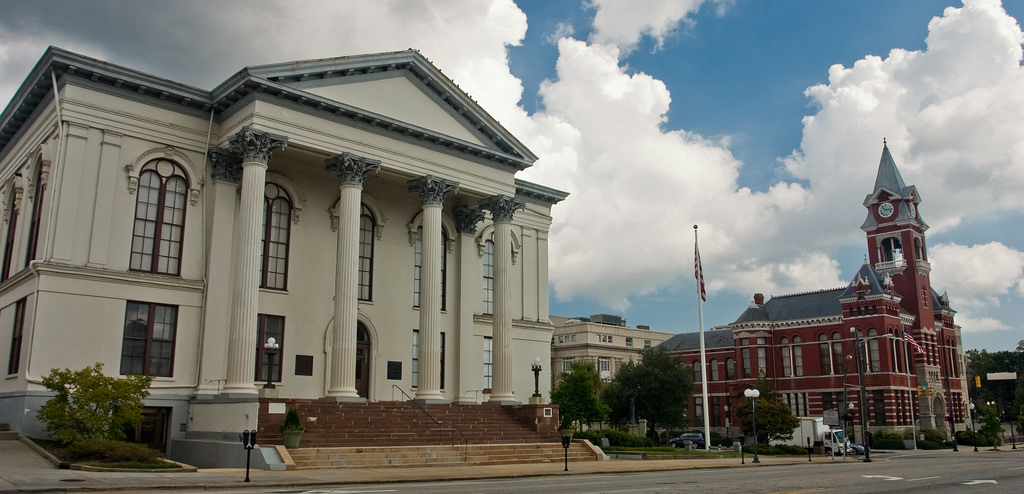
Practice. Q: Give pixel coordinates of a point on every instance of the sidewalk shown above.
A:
(23, 470)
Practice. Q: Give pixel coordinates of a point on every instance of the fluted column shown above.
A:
(256, 147)
(351, 170)
(502, 208)
(432, 191)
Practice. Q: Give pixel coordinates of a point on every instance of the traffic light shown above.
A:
(977, 381)
(920, 390)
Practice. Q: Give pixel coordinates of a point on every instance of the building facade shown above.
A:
(889, 320)
(363, 211)
(602, 339)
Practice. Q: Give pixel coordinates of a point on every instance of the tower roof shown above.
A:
(867, 281)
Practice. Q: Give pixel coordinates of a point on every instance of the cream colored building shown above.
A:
(348, 207)
(602, 339)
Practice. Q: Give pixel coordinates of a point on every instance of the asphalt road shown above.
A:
(914, 471)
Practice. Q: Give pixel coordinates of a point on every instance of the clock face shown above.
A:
(912, 209)
(885, 210)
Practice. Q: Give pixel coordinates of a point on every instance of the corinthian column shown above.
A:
(502, 208)
(351, 170)
(432, 191)
(256, 147)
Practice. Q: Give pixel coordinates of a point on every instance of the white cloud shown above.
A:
(624, 23)
(977, 276)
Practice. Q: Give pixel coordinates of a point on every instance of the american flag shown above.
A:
(910, 339)
(698, 271)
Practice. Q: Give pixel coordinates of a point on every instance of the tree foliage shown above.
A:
(991, 424)
(661, 384)
(88, 405)
(1008, 394)
(775, 421)
(577, 396)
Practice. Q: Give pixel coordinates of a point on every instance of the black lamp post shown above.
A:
(863, 397)
(753, 393)
(271, 347)
(536, 368)
(974, 428)
(1009, 420)
(728, 422)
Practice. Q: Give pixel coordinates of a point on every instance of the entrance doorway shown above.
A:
(362, 361)
(152, 430)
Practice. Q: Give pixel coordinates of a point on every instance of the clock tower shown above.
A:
(896, 240)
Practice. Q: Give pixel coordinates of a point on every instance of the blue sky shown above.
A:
(761, 121)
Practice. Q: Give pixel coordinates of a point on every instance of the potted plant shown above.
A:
(291, 431)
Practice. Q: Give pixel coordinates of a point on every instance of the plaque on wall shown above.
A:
(394, 370)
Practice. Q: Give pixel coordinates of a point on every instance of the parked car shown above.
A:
(697, 438)
(854, 449)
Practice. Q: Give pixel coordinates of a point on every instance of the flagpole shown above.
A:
(699, 274)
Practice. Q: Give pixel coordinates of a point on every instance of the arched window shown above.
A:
(277, 212)
(418, 267)
(787, 357)
(697, 374)
(824, 355)
(837, 354)
(714, 370)
(798, 357)
(730, 369)
(892, 249)
(876, 361)
(488, 277)
(367, 226)
(159, 218)
(9, 238)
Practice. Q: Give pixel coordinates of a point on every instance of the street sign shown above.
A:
(1002, 376)
(830, 417)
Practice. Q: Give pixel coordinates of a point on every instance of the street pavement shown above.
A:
(22, 469)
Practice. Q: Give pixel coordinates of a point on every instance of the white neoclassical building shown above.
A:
(363, 211)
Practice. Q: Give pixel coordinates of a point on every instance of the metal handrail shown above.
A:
(440, 426)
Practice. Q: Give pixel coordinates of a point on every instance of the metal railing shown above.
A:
(451, 428)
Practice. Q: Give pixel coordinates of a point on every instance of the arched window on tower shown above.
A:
(892, 249)
(918, 249)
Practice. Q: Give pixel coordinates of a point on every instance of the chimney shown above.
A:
(759, 298)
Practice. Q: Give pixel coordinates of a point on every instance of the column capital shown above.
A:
(466, 219)
(227, 166)
(432, 189)
(351, 168)
(502, 207)
(256, 146)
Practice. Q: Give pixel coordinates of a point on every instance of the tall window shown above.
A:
(269, 327)
(277, 212)
(698, 376)
(367, 226)
(37, 216)
(879, 400)
(730, 369)
(489, 277)
(838, 362)
(798, 357)
(148, 344)
(14, 361)
(824, 355)
(418, 268)
(746, 362)
(787, 357)
(12, 228)
(415, 370)
(159, 218)
(566, 365)
(488, 363)
(714, 370)
(604, 367)
(874, 357)
(762, 360)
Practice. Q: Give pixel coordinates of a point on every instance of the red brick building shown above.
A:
(806, 343)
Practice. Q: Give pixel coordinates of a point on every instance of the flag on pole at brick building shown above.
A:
(698, 271)
(909, 338)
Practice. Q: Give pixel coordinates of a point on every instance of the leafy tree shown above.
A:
(991, 424)
(775, 421)
(658, 384)
(88, 405)
(577, 396)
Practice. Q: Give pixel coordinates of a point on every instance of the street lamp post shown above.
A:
(1009, 420)
(863, 398)
(271, 347)
(974, 428)
(728, 422)
(753, 393)
(536, 368)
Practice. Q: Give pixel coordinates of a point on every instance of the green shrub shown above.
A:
(779, 449)
(934, 435)
(615, 438)
(110, 451)
(88, 405)
(292, 422)
(969, 438)
(930, 445)
(887, 443)
(881, 434)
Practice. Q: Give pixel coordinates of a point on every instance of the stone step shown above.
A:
(313, 458)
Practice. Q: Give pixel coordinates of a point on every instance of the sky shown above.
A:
(759, 121)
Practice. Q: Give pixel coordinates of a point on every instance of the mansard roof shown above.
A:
(281, 84)
(822, 303)
(721, 338)
(866, 281)
(889, 184)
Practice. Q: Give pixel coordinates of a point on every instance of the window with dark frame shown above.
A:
(367, 226)
(37, 215)
(414, 370)
(147, 347)
(14, 360)
(277, 213)
(159, 218)
(488, 277)
(270, 326)
(9, 239)
(418, 268)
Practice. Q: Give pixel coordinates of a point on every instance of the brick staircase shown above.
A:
(6, 434)
(395, 423)
(473, 454)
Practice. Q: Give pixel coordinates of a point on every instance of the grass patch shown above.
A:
(107, 454)
(132, 465)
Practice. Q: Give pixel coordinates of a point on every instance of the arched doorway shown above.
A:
(362, 361)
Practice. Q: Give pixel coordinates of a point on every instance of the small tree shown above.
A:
(775, 421)
(90, 406)
(577, 396)
(991, 425)
(659, 386)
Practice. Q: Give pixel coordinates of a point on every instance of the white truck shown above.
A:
(832, 440)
